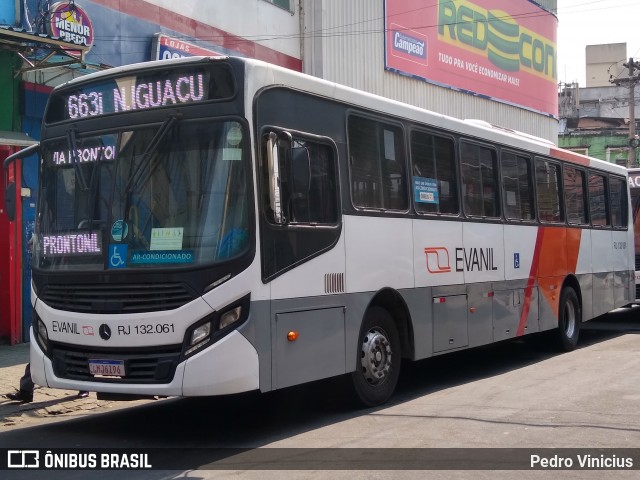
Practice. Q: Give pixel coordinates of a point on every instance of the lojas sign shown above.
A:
(71, 23)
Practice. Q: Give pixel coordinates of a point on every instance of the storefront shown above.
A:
(22, 106)
(385, 48)
(43, 44)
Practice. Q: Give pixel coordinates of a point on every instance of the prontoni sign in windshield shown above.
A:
(501, 49)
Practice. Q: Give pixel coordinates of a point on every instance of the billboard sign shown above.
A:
(500, 49)
(70, 22)
(166, 48)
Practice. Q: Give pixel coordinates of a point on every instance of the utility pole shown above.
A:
(631, 81)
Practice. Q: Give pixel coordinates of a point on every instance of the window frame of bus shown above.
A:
(598, 173)
(558, 164)
(415, 130)
(380, 122)
(585, 186)
(275, 234)
(264, 178)
(625, 205)
(530, 182)
(496, 177)
(62, 95)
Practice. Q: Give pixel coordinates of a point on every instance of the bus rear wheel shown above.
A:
(379, 356)
(569, 319)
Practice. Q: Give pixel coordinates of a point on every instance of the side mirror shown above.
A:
(10, 201)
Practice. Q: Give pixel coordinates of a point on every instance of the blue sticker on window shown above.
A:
(118, 255)
(425, 190)
(119, 230)
(161, 257)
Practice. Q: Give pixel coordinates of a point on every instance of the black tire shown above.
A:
(569, 320)
(379, 356)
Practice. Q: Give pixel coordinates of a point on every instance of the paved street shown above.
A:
(512, 395)
(48, 404)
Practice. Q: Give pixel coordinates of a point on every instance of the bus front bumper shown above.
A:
(228, 366)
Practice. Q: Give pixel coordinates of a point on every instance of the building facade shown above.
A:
(348, 43)
(596, 120)
(493, 60)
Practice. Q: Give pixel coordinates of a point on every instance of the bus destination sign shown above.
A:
(150, 90)
(136, 96)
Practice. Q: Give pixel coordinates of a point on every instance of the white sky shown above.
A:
(594, 22)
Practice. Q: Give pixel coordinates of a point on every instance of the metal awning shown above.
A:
(40, 51)
(16, 139)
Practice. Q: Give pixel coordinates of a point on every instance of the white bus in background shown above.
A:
(208, 226)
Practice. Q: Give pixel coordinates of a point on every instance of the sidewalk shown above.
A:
(48, 403)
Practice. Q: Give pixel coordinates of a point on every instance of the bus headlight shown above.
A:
(41, 334)
(230, 317)
(200, 333)
(215, 326)
(200, 336)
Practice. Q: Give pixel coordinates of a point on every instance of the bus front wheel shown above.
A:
(378, 362)
(569, 319)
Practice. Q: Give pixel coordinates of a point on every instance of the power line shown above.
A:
(327, 32)
(632, 65)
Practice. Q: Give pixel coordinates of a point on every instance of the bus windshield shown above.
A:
(170, 196)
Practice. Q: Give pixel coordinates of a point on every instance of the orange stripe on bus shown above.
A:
(555, 256)
(558, 258)
(569, 156)
(528, 291)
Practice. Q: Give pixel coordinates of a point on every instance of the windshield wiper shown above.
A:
(93, 189)
(71, 143)
(152, 147)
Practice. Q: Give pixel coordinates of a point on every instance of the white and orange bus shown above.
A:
(209, 226)
(634, 186)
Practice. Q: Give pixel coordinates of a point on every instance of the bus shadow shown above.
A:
(253, 420)
(427, 376)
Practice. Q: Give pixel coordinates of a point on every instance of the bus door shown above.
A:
(635, 199)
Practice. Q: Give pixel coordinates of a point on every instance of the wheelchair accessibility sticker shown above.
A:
(118, 255)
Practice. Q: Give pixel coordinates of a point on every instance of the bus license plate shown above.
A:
(112, 368)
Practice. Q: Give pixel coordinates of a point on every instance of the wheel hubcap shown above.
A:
(569, 319)
(376, 356)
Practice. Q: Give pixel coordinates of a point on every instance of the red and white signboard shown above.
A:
(70, 22)
(166, 48)
(501, 49)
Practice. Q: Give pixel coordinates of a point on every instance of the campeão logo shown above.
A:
(498, 36)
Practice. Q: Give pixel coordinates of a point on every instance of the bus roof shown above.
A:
(269, 74)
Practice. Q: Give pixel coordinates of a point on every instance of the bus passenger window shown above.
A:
(575, 196)
(377, 165)
(516, 182)
(619, 202)
(598, 200)
(435, 188)
(308, 181)
(548, 183)
(311, 183)
(479, 181)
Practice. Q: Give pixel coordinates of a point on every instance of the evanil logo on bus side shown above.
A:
(497, 36)
(465, 259)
